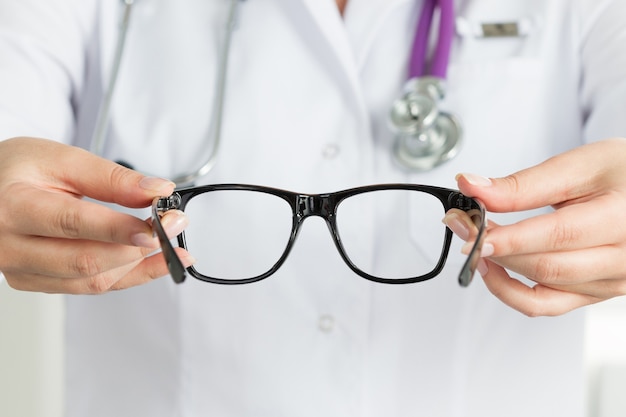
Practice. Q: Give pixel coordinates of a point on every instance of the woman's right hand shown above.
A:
(52, 240)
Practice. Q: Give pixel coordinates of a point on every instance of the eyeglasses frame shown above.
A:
(322, 205)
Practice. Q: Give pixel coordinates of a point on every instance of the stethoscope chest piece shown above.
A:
(425, 137)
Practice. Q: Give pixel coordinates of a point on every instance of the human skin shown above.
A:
(574, 254)
(53, 240)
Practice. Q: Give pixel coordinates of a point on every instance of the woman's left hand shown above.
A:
(576, 254)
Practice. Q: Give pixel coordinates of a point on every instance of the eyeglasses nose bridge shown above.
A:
(314, 205)
(320, 205)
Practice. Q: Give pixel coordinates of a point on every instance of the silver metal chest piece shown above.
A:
(425, 137)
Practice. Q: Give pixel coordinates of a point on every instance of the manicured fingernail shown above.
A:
(457, 226)
(476, 180)
(156, 184)
(174, 223)
(487, 249)
(482, 267)
(144, 240)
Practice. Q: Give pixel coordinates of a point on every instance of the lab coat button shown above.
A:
(330, 151)
(326, 323)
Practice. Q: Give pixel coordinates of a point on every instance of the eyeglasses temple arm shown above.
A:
(174, 265)
(476, 211)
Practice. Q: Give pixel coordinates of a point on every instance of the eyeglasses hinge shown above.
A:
(462, 202)
(169, 203)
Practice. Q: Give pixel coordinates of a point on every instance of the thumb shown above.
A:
(104, 180)
(523, 190)
(74, 170)
(573, 175)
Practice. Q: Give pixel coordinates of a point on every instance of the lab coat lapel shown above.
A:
(365, 22)
(351, 46)
(333, 37)
(325, 16)
(348, 42)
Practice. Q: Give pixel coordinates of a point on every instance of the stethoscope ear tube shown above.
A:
(103, 119)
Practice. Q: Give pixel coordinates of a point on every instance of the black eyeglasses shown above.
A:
(245, 232)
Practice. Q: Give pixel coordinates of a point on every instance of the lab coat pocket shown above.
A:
(490, 44)
(502, 105)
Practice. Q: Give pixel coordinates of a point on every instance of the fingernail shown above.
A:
(188, 260)
(486, 251)
(482, 267)
(156, 184)
(174, 223)
(144, 240)
(476, 180)
(457, 226)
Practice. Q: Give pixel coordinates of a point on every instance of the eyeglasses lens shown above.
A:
(407, 235)
(237, 234)
(241, 234)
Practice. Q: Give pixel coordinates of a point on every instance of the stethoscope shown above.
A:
(102, 120)
(425, 137)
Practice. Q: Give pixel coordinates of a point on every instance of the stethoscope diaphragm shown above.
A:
(431, 148)
(425, 136)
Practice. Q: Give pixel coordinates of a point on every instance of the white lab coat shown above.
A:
(307, 98)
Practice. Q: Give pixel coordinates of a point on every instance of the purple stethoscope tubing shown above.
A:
(441, 57)
(425, 136)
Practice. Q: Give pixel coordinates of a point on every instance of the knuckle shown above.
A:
(70, 222)
(513, 183)
(508, 243)
(536, 306)
(564, 234)
(111, 232)
(546, 271)
(533, 311)
(532, 314)
(98, 284)
(119, 175)
(14, 206)
(514, 186)
(86, 265)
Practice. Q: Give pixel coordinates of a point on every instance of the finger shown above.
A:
(465, 228)
(569, 228)
(532, 301)
(569, 267)
(96, 284)
(578, 174)
(64, 258)
(152, 268)
(600, 289)
(74, 258)
(63, 216)
(461, 224)
(134, 274)
(74, 170)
